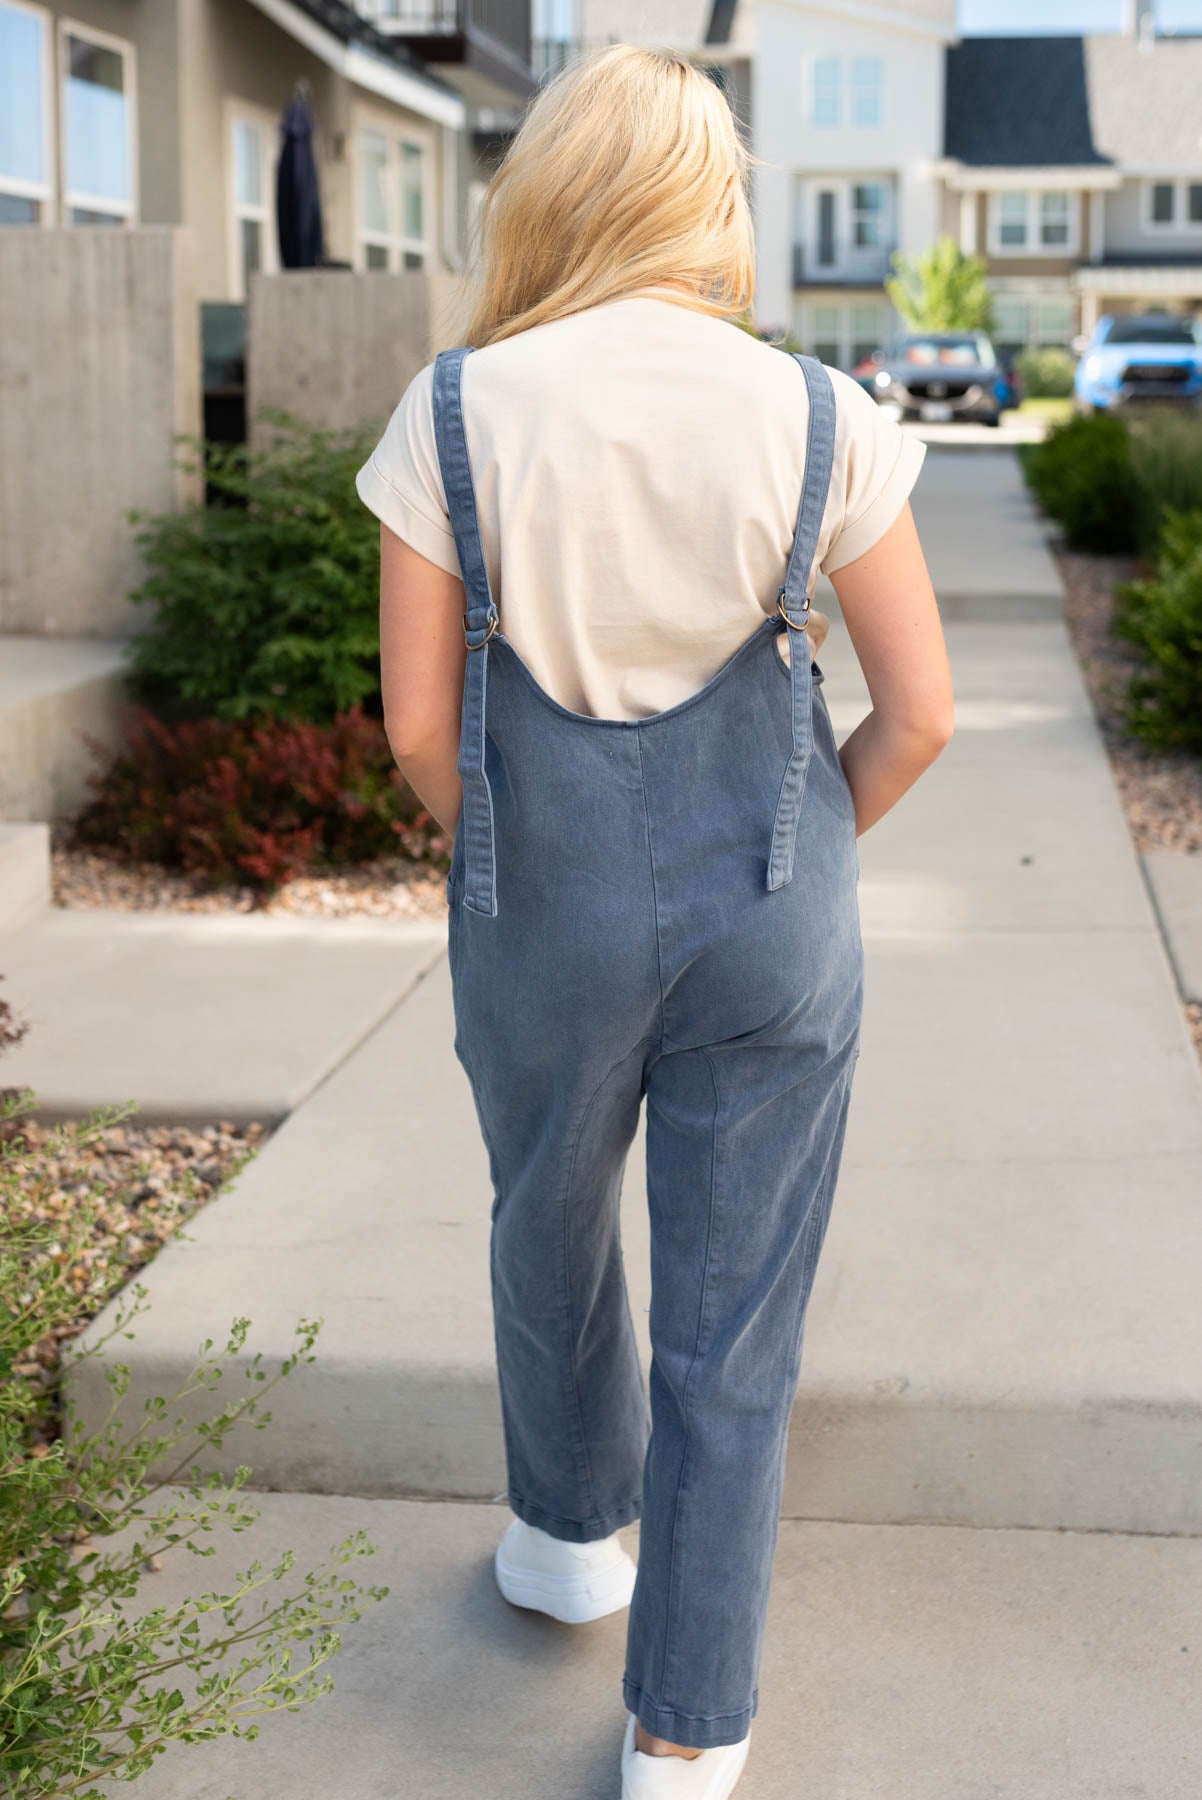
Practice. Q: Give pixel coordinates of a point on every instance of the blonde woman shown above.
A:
(601, 521)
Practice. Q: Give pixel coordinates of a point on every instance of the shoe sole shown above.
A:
(572, 1599)
(724, 1782)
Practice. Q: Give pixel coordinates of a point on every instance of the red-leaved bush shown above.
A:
(254, 804)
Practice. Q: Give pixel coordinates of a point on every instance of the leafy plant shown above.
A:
(94, 1681)
(941, 289)
(265, 605)
(1166, 456)
(1162, 617)
(1083, 477)
(1047, 373)
(256, 802)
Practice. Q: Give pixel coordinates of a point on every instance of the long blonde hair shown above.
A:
(628, 172)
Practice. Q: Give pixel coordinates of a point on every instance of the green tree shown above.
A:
(941, 290)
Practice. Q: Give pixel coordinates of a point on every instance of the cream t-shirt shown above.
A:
(638, 468)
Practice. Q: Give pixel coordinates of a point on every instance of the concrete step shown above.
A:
(54, 693)
(200, 1016)
(24, 874)
(1004, 1327)
(914, 1662)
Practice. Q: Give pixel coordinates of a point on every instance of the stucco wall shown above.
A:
(99, 369)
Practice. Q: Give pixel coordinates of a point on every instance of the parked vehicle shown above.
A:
(1132, 358)
(944, 375)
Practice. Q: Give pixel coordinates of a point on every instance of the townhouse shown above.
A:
(167, 112)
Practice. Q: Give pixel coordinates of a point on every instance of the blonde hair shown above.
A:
(628, 172)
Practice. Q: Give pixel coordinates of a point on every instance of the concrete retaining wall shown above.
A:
(338, 349)
(99, 370)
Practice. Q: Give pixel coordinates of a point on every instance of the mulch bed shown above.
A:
(1161, 791)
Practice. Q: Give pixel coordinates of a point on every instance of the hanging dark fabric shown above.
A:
(297, 194)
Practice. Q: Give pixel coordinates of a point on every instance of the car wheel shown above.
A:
(992, 419)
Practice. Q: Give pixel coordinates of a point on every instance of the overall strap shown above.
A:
(479, 622)
(794, 607)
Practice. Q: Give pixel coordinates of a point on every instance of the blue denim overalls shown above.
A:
(637, 908)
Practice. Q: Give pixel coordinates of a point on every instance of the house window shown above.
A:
(254, 248)
(1021, 321)
(98, 128)
(1173, 205)
(1012, 221)
(1054, 220)
(1033, 222)
(825, 107)
(866, 81)
(392, 201)
(24, 138)
(825, 326)
(866, 331)
(868, 215)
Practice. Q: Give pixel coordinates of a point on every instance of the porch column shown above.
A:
(968, 222)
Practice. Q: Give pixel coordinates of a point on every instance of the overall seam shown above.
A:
(565, 1268)
(659, 959)
(810, 1234)
(677, 1530)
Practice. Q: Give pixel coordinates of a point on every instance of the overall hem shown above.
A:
(574, 1531)
(695, 1731)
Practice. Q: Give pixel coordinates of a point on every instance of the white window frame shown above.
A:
(844, 308)
(850, 258)
(1033, 246)
(1180, 225)
(856, 90)
(245, 112)
(810, 92)
(883, 214)
(44, 191)
(125, 211)
(394, 241)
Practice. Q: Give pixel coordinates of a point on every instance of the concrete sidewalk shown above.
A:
(1004, 1330)
(909, 1662)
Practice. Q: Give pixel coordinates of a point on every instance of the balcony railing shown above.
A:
(507, 22)
(844, 265)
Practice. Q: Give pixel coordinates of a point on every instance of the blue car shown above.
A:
(1129, 359)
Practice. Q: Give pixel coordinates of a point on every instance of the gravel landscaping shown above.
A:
(393, 888)
(1161, 791)
(145, 1182)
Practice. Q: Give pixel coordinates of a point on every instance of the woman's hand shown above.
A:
(889, 608)
(422, 654)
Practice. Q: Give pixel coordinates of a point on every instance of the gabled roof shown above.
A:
(1014, 102)
(1022, 102)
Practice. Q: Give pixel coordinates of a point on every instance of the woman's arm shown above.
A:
(422, 654)
(889, 608)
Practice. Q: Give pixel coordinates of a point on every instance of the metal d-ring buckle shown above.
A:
(780, 607)
(492, 626)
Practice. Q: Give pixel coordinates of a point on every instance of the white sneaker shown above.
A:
(711, 1776)
(572, 1582)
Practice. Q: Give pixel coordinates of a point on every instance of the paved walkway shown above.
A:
(900, 1663)
(1003, 1334)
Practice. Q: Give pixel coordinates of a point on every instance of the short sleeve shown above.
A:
(876, 466)
(401, 481)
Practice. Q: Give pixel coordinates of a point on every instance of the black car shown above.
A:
(941, 376)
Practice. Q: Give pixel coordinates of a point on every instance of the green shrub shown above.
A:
(265, 604)
(1047, 374)
(256, 803)
(1083, 477)
(1166, 455)
(1162, 617)
(95, 1679)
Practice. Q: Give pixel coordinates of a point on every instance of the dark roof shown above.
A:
(1013, 102)
(1018, 102)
